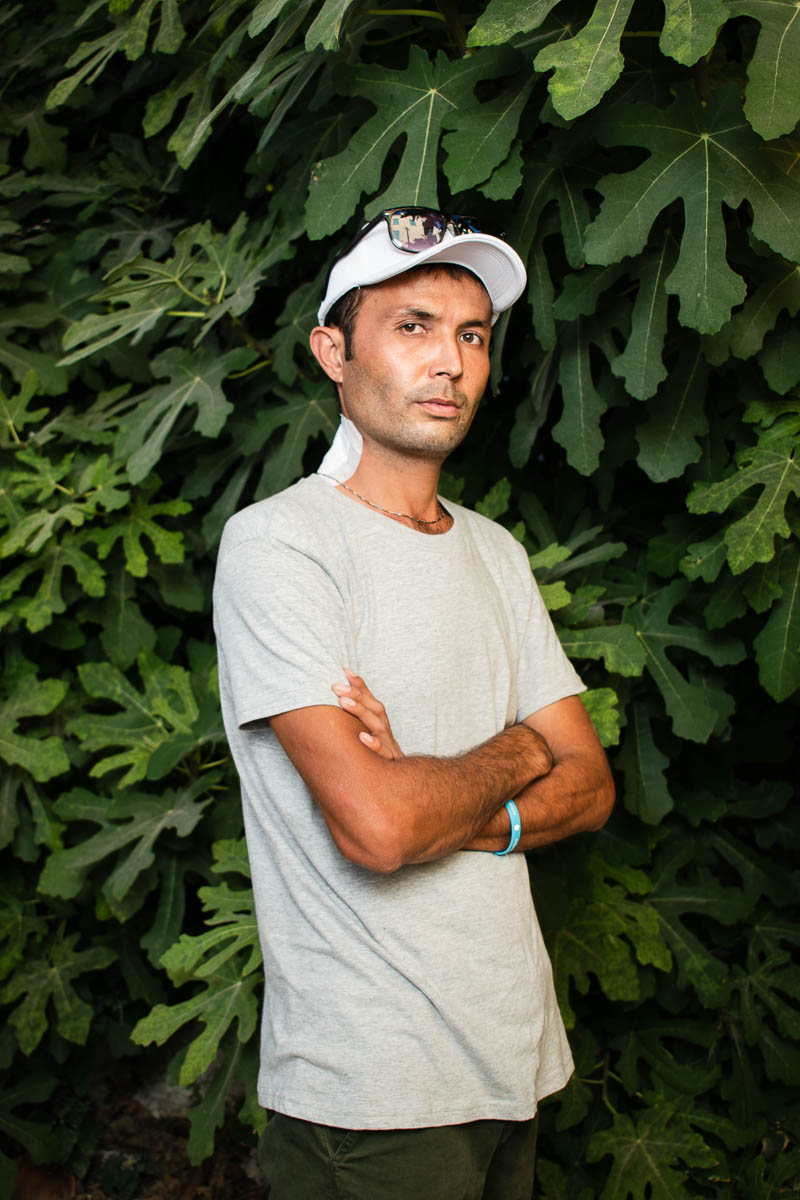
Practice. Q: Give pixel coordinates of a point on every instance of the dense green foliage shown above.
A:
(174, 179)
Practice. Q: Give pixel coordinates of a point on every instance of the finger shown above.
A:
(362, 695)
(357, 684)
(375, 722)
(375, 745)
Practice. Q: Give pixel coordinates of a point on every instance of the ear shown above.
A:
(327, 346)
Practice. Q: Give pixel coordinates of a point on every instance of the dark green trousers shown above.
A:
(482, 1160)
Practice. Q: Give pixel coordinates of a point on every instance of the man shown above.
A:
(410, 1025)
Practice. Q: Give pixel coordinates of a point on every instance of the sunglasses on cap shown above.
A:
(416, 229)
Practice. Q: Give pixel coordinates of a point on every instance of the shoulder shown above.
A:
(493, 540)
(289, 518)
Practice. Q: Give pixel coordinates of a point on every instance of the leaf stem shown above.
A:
(187, 292)
(405, 12)
(265, 362)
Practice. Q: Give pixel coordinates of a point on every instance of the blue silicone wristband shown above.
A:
(516, 828)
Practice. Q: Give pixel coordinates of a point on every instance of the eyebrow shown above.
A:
(422, 314)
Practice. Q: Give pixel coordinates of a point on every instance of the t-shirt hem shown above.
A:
(375, 1118)
(531, 705)
(287, 702)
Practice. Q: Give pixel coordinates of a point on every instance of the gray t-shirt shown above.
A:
(424, 997)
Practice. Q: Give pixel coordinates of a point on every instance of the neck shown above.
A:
(407, 486)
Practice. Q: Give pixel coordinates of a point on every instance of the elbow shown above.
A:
(377, 843)
(604, 803)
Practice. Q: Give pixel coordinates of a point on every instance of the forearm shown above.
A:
(576, 796)
(422, 808)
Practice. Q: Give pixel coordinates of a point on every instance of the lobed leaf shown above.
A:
(481, 139)
(167, 708)
(771, 101)
(598, 933)
(43, 757)
(589, 63)
(676, 418)
(225, 998)
(45, 980)
(649, 1152)
(693, 717)
(640, 365)
(503, 19)
(132, 824)
(194, 381)
(691, 27)
(771, 466)
(417, 104)
(704, 157)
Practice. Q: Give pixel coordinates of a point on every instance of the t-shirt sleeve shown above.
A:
(545, 673)
(282, 633)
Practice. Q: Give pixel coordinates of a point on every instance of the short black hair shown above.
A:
(343, 313)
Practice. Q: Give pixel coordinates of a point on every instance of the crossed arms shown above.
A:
(385, 810)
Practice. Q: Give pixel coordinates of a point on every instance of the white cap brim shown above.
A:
(375, 259)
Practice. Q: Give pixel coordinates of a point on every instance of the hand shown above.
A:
(356, 698)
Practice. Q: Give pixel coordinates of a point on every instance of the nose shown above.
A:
(447, 358)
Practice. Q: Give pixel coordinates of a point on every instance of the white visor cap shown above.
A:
(375, 258)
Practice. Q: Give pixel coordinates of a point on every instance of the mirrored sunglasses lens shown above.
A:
(463, 224)
(416, 229)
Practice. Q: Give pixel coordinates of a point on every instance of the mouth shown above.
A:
(439, 406)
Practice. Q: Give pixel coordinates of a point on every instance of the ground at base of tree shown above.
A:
(141, 1156)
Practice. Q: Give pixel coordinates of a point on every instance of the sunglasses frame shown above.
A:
(456, 221)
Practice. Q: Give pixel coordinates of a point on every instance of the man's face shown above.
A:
(420, 363)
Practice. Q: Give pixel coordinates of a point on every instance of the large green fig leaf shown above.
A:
(130, 828)
(589, 63)
(166, 711)
(481, 139)
(503, 19)
(304, 413)
(688, 704)
(226, 997)
(649, 1153)
(640, 365)
(326, 28)
(44, 757)
(690, 29)
(772, 100)
(235, 934)
(600, 930)
(53, 978)
(585, 401)
(195, 380)
(417, 104)
(772, 467)
(676, 418)
(680, 887)
(706, 158)
(142, 520)
(38, 610)
(16, 411)
(778, 290)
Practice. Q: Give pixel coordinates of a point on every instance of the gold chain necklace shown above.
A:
(388, 511)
